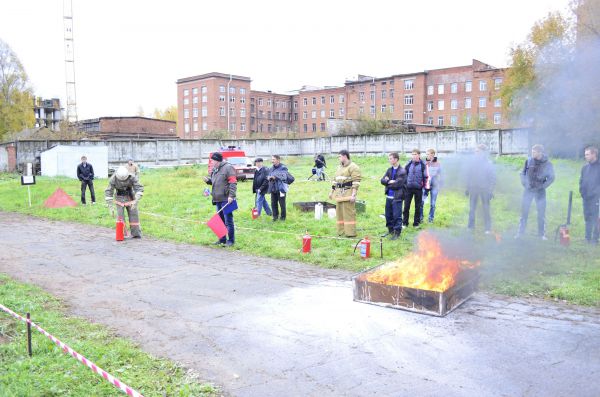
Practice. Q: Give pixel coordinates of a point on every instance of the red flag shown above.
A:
(217, 226)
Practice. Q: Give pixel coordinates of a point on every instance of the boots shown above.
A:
(395, 236)
(390, 231)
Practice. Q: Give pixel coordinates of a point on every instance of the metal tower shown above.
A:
(69, 61)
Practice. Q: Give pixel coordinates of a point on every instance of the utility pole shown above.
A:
(69, 61)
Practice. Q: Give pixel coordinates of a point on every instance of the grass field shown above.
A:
(174, 205)
(50, 372)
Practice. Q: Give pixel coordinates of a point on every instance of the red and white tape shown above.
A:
(68, 350)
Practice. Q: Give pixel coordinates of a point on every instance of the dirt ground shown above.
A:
(264, 327)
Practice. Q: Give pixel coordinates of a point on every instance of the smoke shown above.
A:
(563, 105)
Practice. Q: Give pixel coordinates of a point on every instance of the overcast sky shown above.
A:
(129, 53)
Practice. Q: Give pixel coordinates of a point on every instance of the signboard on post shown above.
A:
(27, 180)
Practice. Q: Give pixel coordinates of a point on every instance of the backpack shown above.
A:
(290, 179)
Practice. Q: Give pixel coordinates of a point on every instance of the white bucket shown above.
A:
(331, 213)
(318, 211)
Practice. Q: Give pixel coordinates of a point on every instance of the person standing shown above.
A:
(537, 175)
(319, 166)
(224, 188)
(416, 179)
(345, 186)
(129, 192)
(431, 189)
(279, 180)
(481, 180)
(85, 173)
(133, 168)
(589, 187)
(260, 186)
(394, 181)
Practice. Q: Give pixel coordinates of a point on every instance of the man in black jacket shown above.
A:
(589, 187)
(394, 181)
(481, 180)
(85, 173)
(279, 179)
(536, 176)
(416, 179)
(260, 186)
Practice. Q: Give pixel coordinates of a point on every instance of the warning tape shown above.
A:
(68, 350)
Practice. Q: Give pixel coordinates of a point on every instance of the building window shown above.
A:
(232, 111)
(304, 115)
(314, 100)
(186, 113)
(454, 88)
(454, 104)
(242, 91)
(361, 96)
(341, 99)
(204, 99)
(361, 110)
(305, 101)
(497, 102)
(482, 102)
(322, 100)
(260, 101)
(195, 126)
(186, 92)
(482, 85)
(391, 108)
(341, 112)
(232, 90)
(186, 128)
(186, 101)
(331, 113)
(242, 127)
(204, 126)
(277, 104)
(497, 83)
(372, 96)
(243, 99)
(322, 127)
(467, 103)
(409, 84)
(261, 114)
(269, 115)
(430, 120)
(497, 118)
(305, 127)
(243, 112)
(332, 99)
(204, 89)
(372, 110)
(314, 127)
(440, 120)
(429, 106)
(391, 93)
(195, 91)
(295, 116)
(221, 88)
(482, 117)
(383, 108)
(195, 112)
(468, 86)
(222, 111)
(322, 113)
(453, 120)
(204, 111)
(231, 126)
(383, 94)
(408, 99)
(313, 114)
(441, 105)
(440, 89)
(429, 90)
(408, 115)
(277, 116)
(295, 104)
(195, 100)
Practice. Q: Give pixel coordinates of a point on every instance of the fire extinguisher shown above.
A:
(306, 240)
(120, 229)
(365, 248)
(254, 213)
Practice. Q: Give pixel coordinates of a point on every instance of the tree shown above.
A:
(16, 98)
(169, 114)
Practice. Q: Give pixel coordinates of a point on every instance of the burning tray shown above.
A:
(413, 299)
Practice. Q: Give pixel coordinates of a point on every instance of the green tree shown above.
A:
(16, 98)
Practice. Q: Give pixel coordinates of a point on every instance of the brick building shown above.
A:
(48, 113)
(128, 127)
(464, 96)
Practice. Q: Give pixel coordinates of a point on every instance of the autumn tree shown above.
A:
(169, 113)
(16, 98)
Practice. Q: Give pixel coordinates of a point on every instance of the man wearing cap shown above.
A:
(128, 191)
(133, 168)
(224, 187)
(260, 186)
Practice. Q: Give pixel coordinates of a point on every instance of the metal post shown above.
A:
(29, 194)
(29, 335)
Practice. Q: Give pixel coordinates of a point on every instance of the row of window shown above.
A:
(468, 87)
(341, 99)
(467, 102)
(204, 89)
(232, 127)
(467, 119)
(283, 104)
(314, 127)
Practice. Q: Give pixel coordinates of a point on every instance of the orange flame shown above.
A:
(427, 268)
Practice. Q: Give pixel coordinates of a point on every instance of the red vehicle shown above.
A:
(236, 157)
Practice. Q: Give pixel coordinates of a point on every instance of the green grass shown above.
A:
(50, 372)
(528, 267)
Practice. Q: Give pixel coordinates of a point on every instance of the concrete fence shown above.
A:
(182, 151)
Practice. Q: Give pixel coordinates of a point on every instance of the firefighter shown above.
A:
(128, 192)
(344, 189)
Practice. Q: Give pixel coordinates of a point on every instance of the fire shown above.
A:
(427, 268)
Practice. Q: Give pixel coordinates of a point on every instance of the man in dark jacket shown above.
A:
(85, 173)
(589, 187)
(536, 176)
(394, 181)
(416, 179)
(260, 186)
(279, 180)
(224, 188)
(319, 166)
(481, 180)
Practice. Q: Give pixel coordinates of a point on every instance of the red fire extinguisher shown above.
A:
(254, 213)
(306, 240)
(365, 248)
(120, 229)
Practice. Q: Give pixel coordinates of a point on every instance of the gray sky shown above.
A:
(129, 53)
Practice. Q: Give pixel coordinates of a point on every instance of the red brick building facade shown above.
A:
(465, 96)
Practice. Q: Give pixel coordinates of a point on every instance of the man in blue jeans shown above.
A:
(394, 181)
(260, 186)
(224, 187)
(434, 170)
